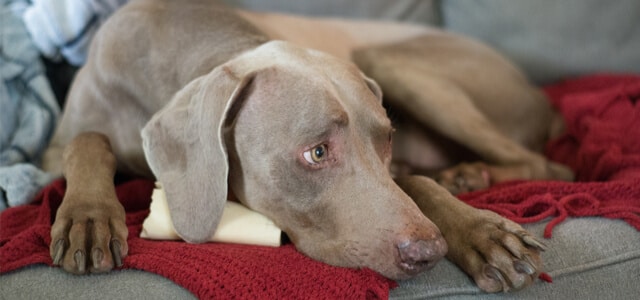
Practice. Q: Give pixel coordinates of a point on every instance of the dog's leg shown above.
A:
(447, 109)
(497, 253)
(437, 102)
(89, 233)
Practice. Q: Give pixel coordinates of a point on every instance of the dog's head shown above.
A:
(302, 138)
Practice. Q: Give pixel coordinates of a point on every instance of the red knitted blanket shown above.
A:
(602, 145)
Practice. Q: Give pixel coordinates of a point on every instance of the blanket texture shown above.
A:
(209, 271)
(602, 145)
(65, 28)
(29, 110)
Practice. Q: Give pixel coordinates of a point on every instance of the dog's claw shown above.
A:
(80, 261)
(495, 275)
(464, 178)
(524, 267)
(460, 183)
(533, 242)
(97, 257)
(58, 251)
(117, 255)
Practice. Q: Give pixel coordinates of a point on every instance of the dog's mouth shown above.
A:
(415, 268)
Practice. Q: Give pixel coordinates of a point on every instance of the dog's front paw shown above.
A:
(89, 235)
(465, 177)
(497, 253)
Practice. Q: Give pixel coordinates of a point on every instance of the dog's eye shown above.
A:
(316, 155)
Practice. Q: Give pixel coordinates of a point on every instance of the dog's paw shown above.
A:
(497, 253)
(89, 235)
(464, 178)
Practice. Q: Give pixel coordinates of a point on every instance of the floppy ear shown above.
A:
(184, 146)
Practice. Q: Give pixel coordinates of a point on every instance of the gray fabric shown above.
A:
(417, 11)
(589, 258)
(42, 282)
(554, 39)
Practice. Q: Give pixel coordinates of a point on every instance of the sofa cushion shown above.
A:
(588, 258)
(420, 11)
(554, 39)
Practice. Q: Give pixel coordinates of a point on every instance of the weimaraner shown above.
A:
(276, 112)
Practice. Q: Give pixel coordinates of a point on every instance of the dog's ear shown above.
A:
(184, 146)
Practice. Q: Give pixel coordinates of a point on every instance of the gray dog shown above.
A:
(276, 112)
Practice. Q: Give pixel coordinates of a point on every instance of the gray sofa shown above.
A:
(588, 258)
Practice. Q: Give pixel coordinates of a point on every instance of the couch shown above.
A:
(593, 256)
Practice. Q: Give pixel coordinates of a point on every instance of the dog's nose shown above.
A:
(421, 255)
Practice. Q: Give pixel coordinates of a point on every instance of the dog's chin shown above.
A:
(389, 266)
(407, 271)
(403, 271)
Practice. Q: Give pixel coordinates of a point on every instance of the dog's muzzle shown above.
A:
(421, 255)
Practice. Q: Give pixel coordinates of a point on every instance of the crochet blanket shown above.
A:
(210, 271)
(602, 144)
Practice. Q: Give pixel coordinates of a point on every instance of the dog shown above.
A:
(285, 115)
